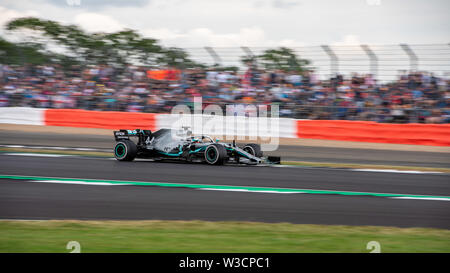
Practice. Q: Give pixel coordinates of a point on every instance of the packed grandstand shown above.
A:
(414, 97)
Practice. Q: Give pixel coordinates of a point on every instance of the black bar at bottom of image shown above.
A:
(225, 262)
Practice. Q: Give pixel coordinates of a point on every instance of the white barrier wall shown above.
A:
(22, 115)
(230, 125)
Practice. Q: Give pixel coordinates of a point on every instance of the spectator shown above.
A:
(414, 97)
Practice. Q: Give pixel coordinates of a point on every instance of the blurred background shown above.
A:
(100, 63)
(363, 88)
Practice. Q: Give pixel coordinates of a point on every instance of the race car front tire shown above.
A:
(215, 154)
(125, 150)
(253, 149)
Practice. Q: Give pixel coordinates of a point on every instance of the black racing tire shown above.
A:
(215, 154)
(125, 150)
(253, 149)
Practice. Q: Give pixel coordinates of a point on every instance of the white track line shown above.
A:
(394, 171)
(244, 190)
(226, 187)
(55, 148)
(36, 155)
(421, 198)
(76, 182)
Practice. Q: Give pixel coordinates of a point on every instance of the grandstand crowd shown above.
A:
(413, 97)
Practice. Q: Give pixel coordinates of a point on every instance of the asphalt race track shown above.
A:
(23, 199)
(296, 153)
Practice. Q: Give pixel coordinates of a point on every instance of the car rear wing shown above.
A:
(122, 134)
(126, 134)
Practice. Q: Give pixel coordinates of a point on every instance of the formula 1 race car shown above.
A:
(182, 145)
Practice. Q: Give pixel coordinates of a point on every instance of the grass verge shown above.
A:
(210, 237)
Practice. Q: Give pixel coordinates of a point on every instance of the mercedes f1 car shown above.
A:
(182, 145)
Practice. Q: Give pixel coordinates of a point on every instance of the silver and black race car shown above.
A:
(170, 144)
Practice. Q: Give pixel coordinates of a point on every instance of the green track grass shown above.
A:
(202, 236)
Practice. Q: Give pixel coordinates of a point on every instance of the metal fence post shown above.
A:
(373, 60)
(334, 60)
(247, 51)
(216, 58)
(413, 59)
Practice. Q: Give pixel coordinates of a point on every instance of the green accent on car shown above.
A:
(234, 150)
(207, 155)
(123, 151)
(198, 150)
(168, 154)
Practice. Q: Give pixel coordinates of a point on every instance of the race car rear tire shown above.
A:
(253, 149)
(125, 150)
(215, 154)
